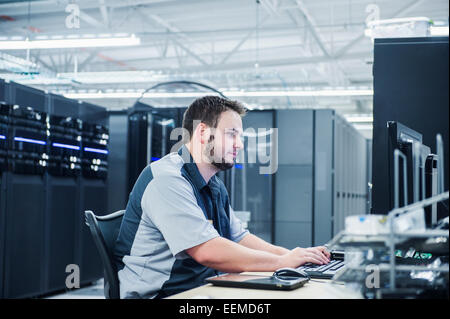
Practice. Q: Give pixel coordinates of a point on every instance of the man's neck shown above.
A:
(206, 170)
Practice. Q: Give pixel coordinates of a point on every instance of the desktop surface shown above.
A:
(313, 289)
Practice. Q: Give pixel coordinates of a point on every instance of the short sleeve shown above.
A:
(238, 232)
(170, 203)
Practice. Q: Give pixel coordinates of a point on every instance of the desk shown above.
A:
(314, 289)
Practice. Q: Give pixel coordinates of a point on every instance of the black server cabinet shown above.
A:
(2, 91)
(4, 120)
(137, 146)
(4, 125)
(60, 231)
(93, 196)
(43, 206)
(24, 246)
(117, 177)
(4, 138)
(62, 196)
(411, 87)
(92, 186)
(26, 96)
(25, 190)
(2, 230)
(149, 136)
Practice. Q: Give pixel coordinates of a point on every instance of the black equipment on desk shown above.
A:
(325, 271)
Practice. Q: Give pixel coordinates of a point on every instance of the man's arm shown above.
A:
(227, 256)
(254, 242)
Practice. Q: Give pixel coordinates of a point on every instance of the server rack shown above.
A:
(2, 230)
(294, 178)
(4, 119)
(321, 177)
(62, 185)
(25, 193)
(149, 136)
(350, 186)
(24, 246)
(118, 162)
(93, 185)
(43, 192)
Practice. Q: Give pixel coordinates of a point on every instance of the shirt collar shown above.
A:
(191, 168)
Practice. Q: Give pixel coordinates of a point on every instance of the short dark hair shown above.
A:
(207, 110)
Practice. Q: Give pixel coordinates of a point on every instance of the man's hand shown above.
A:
(321, 250)
(299, 256)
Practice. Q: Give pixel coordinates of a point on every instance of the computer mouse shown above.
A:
(290, 273)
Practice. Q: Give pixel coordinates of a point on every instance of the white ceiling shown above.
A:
(294, 44)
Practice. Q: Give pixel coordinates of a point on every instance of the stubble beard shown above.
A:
(221, 165)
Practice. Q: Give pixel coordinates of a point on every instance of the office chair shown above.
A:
(104, 230)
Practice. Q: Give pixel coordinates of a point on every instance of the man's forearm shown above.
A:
(254, 242)
(228, 256)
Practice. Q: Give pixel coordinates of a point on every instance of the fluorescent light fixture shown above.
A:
(398, 21)
(34, 79)
(66, 43)
(100, 95)
(29, 140)
(305, 93)
(95, 150)
(398, 28)
(359, 119)
(2, 137)
(309, 93)
(439, 31)
(434, 31)
(72, 147)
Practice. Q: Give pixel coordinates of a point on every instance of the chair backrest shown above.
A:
(104, 230)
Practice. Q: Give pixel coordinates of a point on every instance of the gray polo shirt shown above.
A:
(170, 209)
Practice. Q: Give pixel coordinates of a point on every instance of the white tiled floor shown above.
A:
(94, 291)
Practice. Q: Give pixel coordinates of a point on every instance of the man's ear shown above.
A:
(204, 132)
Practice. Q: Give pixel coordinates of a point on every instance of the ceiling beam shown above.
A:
(174, 33)
(245, 65)
(104, 12)
(242, 41)
(90, 20)
(312, 27)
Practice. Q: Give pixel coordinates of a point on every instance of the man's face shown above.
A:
(226, 140)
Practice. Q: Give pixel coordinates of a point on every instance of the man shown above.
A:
(179, 228)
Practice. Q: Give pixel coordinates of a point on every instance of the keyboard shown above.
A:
(323, 271)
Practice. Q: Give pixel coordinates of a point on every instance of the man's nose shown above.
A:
(239, 145)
